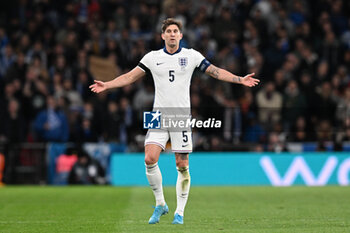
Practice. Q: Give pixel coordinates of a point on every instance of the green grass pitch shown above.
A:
(209, 209)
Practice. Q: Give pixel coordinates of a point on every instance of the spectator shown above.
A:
(72, 95)
(144, 97)
(325, 104)
(86, 171)
(62, 67)
(300, 132)
(269, 103)
(128, 118)
(64, 164)
(82, 85)
(324, 131)
(294, 104)
(51, 123)
(112, 123)
(254, 133)
(4, 40)
(343, 107)
(7, 58)
(275, 143)
(280, 81)
(12, 127)
(18, 69)
(86, 131)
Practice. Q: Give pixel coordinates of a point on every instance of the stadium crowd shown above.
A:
(299, 49)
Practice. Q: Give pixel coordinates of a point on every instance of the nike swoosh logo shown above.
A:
(160, 63)
(184, 145)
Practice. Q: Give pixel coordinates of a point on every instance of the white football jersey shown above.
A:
(172, 75)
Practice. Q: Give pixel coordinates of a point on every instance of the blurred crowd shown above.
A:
(299, 49)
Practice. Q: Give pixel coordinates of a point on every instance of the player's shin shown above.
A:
(154, 177)
(182, 188)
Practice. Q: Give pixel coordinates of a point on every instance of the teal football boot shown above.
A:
(158, 211)
(178, 219)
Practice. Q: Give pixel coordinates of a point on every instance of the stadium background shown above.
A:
(50, 52)
(292, 129)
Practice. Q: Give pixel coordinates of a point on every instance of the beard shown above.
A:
(172, 45)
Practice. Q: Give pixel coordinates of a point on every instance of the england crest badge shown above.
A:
(183, 61)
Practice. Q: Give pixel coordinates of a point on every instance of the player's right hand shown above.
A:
(98, 86)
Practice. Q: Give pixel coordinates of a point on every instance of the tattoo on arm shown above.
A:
(225, 75)
(214, 72)
(236, 79)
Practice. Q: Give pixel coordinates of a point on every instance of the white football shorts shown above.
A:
(181, 142)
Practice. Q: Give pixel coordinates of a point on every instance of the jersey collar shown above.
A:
(177, 51)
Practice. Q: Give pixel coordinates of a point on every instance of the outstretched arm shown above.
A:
(226, 76)
(120, 81)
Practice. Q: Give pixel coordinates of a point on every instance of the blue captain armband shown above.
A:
(204, 65)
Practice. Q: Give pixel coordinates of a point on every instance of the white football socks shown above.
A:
(182, 189)
(154, 177)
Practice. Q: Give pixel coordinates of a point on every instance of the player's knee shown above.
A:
(149, 159)
(181, 160)
(181, 163)
(152, 153)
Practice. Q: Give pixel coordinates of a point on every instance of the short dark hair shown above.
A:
(170, 21)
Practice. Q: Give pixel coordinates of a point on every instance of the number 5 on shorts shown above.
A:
(184, 136)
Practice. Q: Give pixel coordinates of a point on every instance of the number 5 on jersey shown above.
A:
(171, 75)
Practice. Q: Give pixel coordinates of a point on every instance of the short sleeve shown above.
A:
(201, 62)
(144, 64)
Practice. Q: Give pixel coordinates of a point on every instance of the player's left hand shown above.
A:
(249, 81)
